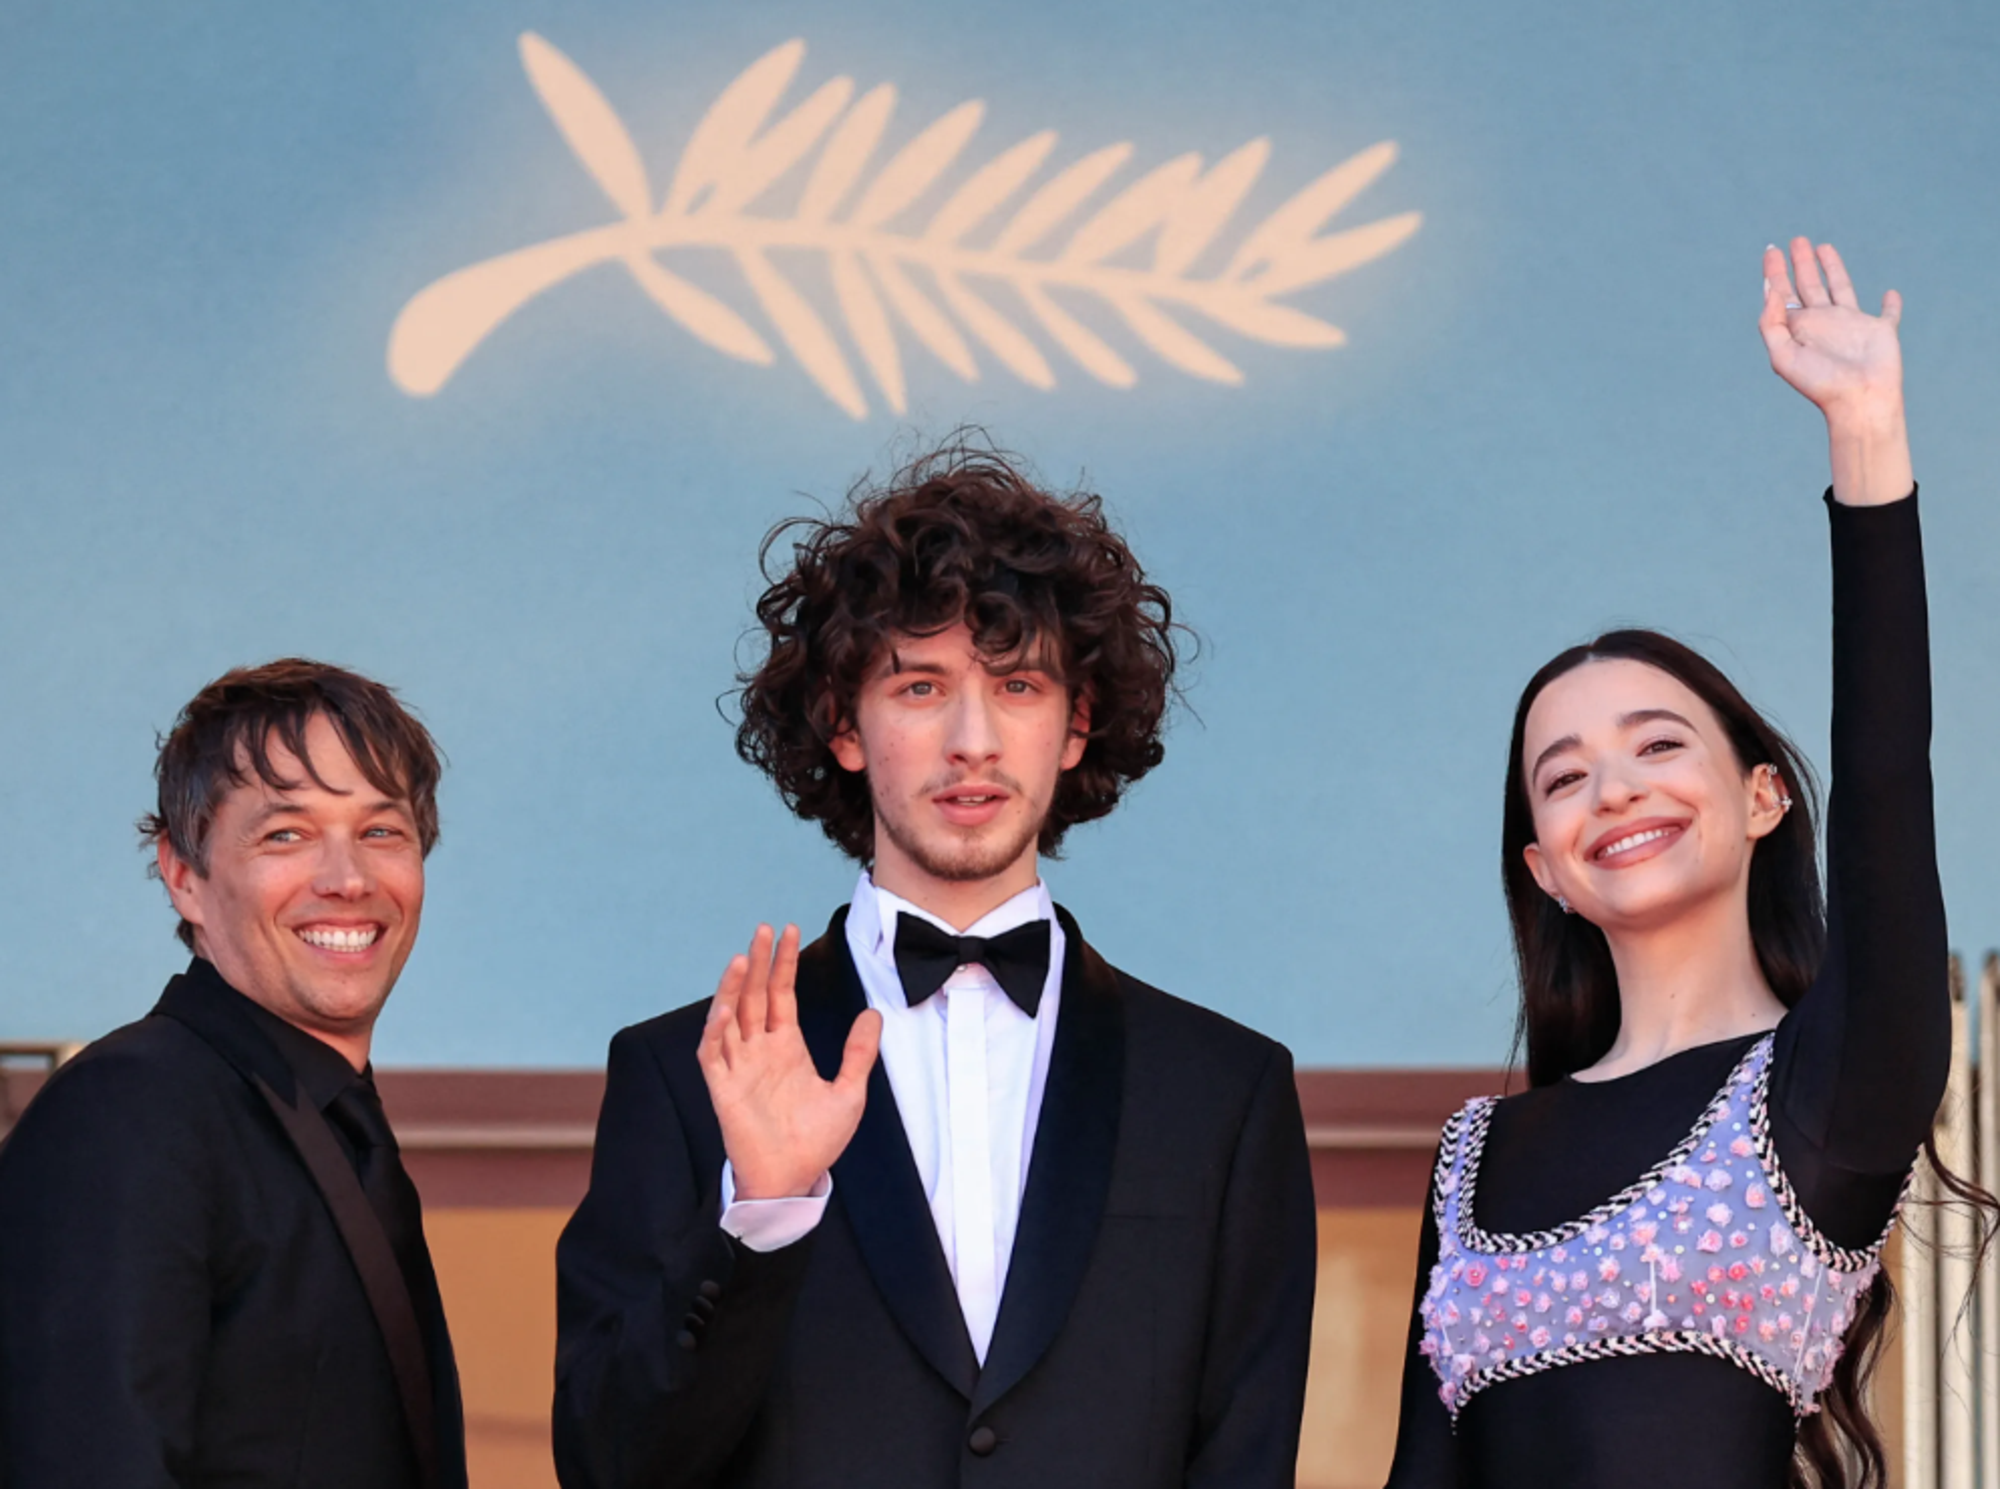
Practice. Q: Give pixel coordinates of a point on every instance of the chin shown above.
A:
(1648, 907)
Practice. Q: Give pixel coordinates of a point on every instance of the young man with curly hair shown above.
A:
(1061, 1231)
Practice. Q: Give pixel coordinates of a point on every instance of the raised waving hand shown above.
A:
(783, 1125)
(1847, 362)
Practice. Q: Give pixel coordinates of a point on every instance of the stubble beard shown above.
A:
(965, 861)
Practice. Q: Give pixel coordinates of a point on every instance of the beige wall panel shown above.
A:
(497, 1270)
(1367, 1268)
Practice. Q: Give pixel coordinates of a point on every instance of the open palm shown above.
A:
(1820, 339)
(783, 1124)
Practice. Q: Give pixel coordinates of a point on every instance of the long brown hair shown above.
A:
(1569, 1014)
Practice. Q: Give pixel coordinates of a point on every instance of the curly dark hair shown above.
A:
(957, 535)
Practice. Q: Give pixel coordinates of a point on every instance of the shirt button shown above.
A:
(983, 1441)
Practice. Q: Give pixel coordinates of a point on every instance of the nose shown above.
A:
(974, 737)
(342, 869)
(1617, 789)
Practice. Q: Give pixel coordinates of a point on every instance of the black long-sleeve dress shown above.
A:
(1858, 1069)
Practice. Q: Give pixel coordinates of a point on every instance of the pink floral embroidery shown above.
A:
(1508, 1294)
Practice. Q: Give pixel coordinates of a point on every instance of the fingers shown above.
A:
(1892, 308)
(720, 1037)
(1806, 275)
(1773, 321)
(784, 1009)
(1836, 277)
(754, 1008)
(858, 1056)
(1777, 277)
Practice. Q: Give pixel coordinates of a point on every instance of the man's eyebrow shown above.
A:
(1625, 721)
(280, 807)
(1039, 661)
(898, 665)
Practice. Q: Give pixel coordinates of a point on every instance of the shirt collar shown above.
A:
(877, 909)
(321, 1070)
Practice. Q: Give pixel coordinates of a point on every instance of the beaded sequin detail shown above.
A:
(1708, 1253)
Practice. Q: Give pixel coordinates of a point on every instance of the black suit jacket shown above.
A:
(1158, 1304)
(179, 1303)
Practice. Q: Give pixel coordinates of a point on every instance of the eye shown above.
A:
(1018, 686)
(1661, 746)
(1559, 780)
(383, 832)
(282, 835)
(920, 689)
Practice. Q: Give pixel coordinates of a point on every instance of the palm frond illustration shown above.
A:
(936, 283)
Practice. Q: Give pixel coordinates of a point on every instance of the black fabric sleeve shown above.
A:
(1253, 1369)
(1861, 1061)
(105, 1294)
(1426, 1449)
(667, 1330)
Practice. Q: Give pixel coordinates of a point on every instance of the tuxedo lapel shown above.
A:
(875, 1182)
(1069, 1174)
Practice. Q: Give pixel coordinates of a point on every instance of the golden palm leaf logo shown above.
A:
(934, 282)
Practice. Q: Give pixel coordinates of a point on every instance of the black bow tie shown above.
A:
(1018, 959)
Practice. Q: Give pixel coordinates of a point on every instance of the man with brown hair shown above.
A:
(212, 1264)
(1061, 1231)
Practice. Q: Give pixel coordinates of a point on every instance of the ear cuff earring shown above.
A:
(1778, 785)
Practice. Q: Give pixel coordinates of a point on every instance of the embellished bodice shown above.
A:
(1708, 1252)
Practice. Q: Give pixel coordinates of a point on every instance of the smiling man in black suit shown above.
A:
(1061, 1232)
(212, 1264)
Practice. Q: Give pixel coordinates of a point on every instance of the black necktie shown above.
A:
(357, 1111)
(1018, 959)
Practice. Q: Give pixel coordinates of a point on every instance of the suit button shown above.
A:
(686, 1340)
(983, 1440)
(703, 1307)
(710, 1289)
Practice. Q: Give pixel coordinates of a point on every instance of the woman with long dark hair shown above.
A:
(1659, 1264)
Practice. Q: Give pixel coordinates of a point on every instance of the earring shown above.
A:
(1778, 785)
(1564, 903)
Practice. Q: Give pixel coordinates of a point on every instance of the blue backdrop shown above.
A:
(1552, 413)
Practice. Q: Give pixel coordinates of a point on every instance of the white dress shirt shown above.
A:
(967, 1067)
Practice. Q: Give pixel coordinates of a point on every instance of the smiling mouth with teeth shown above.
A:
(354, 938)
(1636, 840)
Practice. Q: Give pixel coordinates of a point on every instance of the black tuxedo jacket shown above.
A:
(181, 1303)
(1158, 1304)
